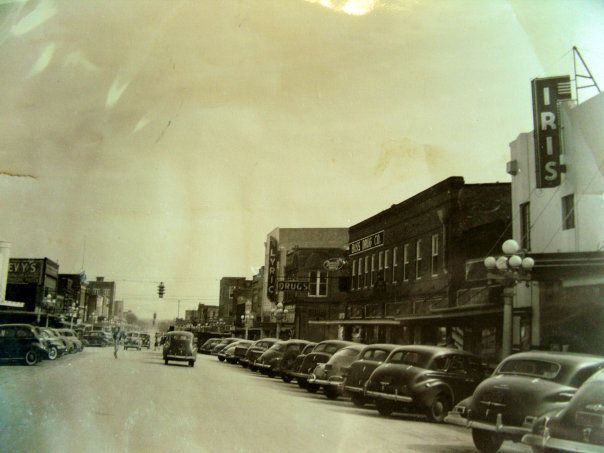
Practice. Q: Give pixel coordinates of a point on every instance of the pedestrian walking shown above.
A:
(118, 334)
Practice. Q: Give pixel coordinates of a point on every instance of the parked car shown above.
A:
(133, 340)
(71, 336)
(206, 348)
(22, 342)
(276, 358)
(428, 379)
(577, 427)
(329, 374)
(145, 340)
(523, 387)
(178, 346)
(230, 348)
(231, 355)
(256, 350)
(223, 343)
(241, 351)
(95, 338)
(55, 346)
(359, 371)
(291, 365)
(320, 354)
(70, 345)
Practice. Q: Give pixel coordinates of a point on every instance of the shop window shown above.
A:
(568, 212)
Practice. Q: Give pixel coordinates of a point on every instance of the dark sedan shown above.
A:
(359, 371)
(207, 347)
(291, 366)
(320, 354)
(279, 356)
(95, 338)
(523, 387)
(256, 350)
(223, 343)
(428, 379)
(329, 375)
(178, 346)
(577, 427)
(22, 342)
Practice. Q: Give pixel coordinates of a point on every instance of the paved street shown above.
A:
(90, 402)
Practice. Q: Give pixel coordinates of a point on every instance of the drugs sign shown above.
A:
(292, 286)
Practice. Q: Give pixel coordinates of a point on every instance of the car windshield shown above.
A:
(414, 358)
(531, 367)
(181, 337)
(379, 355)
(330, 348)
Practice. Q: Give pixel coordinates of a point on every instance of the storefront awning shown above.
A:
(449, 315)
(357, 322)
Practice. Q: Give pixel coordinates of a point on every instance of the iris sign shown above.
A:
(546, 94)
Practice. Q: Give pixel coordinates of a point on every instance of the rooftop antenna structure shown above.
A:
(589, 77)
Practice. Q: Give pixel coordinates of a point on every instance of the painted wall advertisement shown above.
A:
(546, 94)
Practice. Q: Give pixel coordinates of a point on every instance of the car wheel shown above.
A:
(270, 373)
(31, 358)
(53, 353)
(312, 388)
(221, 359)
(243, 364)
(302, 383)
(357, 399)
(191, 363)
(439, 408)
(385, 408)
(166, 361)
(486, 441)
(330, 392)
(286, 378)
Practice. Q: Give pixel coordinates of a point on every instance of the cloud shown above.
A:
(44, 11)
(43, 61)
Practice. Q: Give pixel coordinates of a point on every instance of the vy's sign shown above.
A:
(366, 243)
(546, 94)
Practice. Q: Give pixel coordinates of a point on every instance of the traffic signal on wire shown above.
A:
(161, 289)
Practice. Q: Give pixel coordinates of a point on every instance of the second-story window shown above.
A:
(354, 273)
(381, 261)
(568, 212)
(418, 259)
(394, 263)
(386, 264)
(372, 269)
(366, 281)
(434, 261)
(317, 283)
(406, 261)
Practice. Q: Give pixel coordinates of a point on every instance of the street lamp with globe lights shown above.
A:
(280, 313)
(508, 270)
(246, 321)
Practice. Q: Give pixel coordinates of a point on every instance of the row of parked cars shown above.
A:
(30, 344)
(133, 340)
(552, 401)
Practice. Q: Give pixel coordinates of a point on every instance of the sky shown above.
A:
(154, 140)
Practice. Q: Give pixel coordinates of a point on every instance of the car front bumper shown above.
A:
(555, 444)
(350, 389)
(455, 418)
(179, 357)
(326, 382)
(388, 396)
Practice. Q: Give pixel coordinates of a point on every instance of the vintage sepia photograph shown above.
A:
(268, 226)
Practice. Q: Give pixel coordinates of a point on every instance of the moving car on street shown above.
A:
(21, 342)
(329, 375)
(523, 387)
(428, 379)
(133, 340)
(577, 427)
(359, 371)
(145, 340)
(178, 346)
